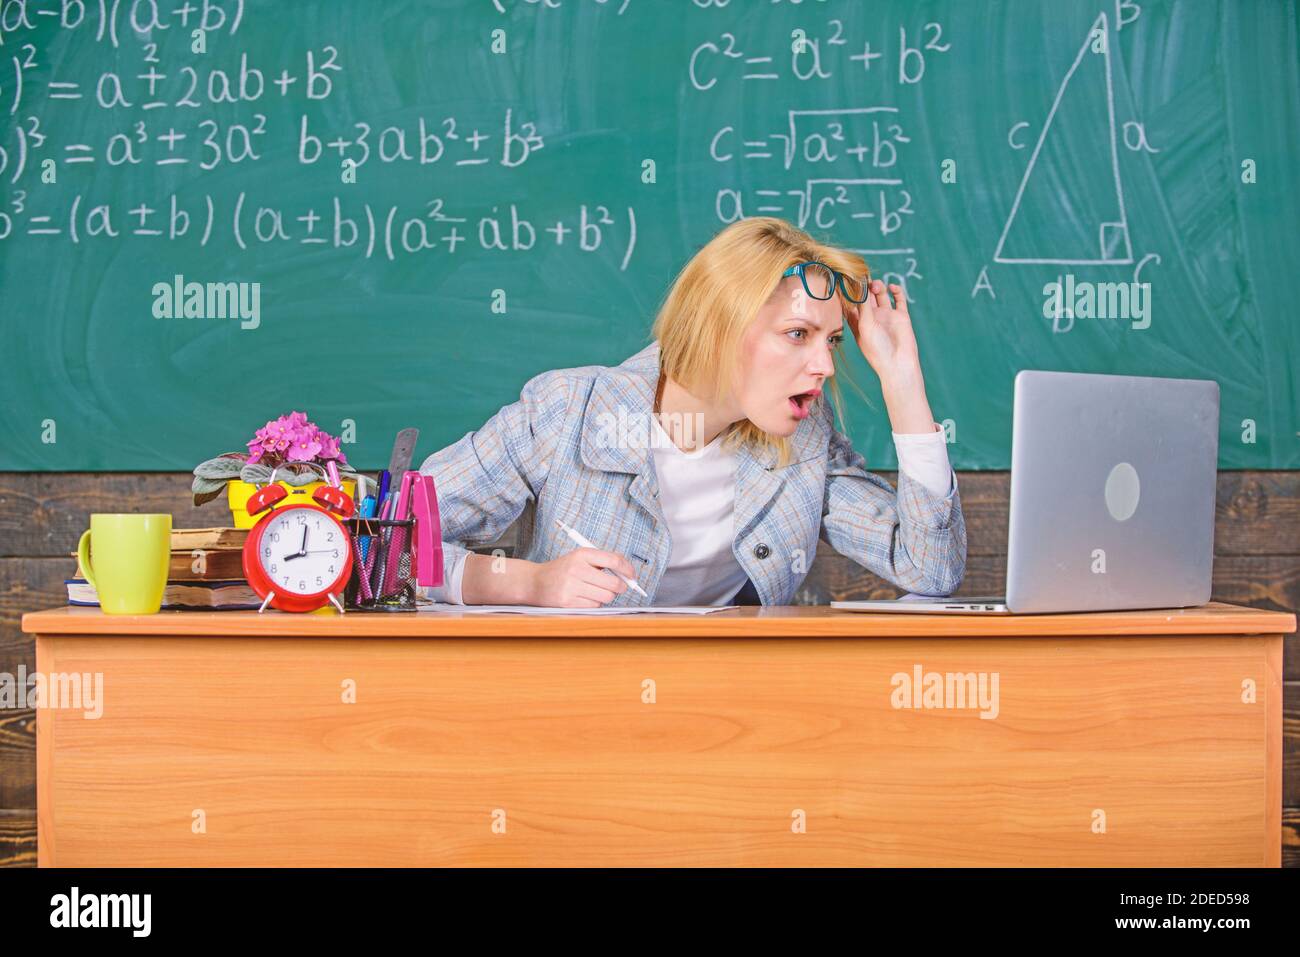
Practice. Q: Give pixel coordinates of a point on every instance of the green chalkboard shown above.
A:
(438, 200)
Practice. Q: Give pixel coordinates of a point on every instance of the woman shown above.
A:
(706, 466)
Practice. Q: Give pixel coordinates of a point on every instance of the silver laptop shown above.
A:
(1112, 497)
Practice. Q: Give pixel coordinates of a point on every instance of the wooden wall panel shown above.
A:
(18, 838)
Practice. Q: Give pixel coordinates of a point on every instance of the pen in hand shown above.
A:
(583, 543)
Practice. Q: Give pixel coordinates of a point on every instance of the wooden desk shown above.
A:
(663, 740)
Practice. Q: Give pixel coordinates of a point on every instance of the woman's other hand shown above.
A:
(580, 579)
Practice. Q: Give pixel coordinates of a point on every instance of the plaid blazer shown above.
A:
(552, 450)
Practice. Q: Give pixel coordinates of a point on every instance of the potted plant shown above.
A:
(285, 445)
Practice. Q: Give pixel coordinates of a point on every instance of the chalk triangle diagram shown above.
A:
(1069, 209)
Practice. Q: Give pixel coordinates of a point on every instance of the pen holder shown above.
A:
(383, 566)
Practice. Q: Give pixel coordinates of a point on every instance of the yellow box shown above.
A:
(239, 492)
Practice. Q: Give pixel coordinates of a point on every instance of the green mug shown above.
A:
(132, 558)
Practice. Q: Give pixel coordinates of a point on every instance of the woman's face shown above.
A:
(787, 357)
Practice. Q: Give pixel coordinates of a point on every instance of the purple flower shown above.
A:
(304, 449)
(293, 438)
(329, 447)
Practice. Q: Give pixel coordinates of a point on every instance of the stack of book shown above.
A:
(207, 572)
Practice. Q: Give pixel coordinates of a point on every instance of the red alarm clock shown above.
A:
(298, 557)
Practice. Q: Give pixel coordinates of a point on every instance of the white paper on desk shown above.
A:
(603, 610)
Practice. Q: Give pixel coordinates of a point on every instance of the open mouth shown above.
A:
(801, 404)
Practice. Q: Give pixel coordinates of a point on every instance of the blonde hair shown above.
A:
(716, 298)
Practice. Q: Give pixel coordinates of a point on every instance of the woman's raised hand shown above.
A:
(883, 331)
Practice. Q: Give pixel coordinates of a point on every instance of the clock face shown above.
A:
(302, 551)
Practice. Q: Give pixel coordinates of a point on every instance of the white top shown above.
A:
(697, 491)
